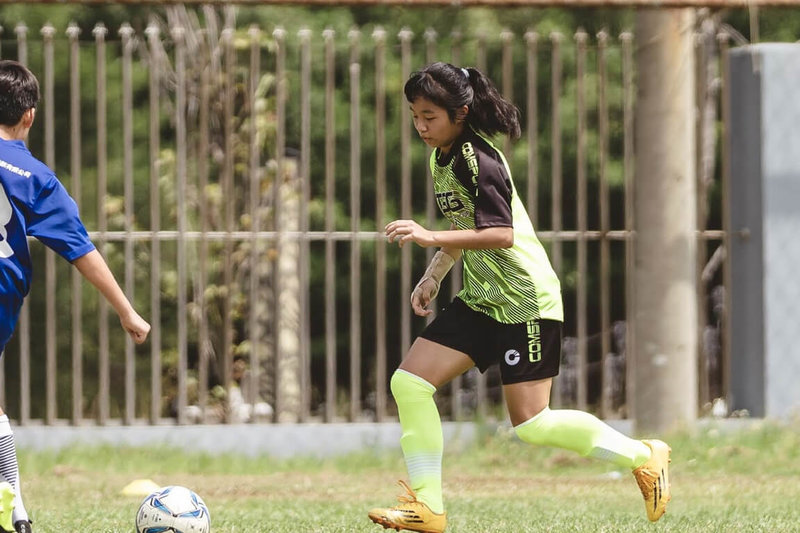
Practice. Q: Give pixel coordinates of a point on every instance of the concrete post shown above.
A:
(663, 367)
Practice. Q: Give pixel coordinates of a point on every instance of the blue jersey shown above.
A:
(32, 202)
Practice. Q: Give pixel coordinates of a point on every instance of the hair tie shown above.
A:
(466, 73)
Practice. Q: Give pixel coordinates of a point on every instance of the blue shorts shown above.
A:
(9, 315)
(527, 351)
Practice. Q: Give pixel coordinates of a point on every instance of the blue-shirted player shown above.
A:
(33, 202)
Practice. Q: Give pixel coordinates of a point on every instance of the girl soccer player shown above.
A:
(509, 311)
(33, 202)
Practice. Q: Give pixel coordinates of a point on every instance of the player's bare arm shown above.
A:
(94, 268)
(403, 231)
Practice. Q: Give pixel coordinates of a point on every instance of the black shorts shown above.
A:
(526, 351)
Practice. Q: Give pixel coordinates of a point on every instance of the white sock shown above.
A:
(9, 468)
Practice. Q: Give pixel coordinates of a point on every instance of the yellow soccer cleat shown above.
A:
(6, 506)
(411, 515)
(653, 479)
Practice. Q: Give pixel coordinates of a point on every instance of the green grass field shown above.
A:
(743, 481)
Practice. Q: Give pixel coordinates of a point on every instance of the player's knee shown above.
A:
(406, 386)
(534, 430)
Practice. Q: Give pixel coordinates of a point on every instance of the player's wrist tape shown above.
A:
(438, 268)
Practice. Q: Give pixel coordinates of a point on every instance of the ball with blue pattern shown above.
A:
(173, 509)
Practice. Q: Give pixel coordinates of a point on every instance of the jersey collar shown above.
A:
(444, 159)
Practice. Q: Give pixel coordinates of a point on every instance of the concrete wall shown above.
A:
(251, 440)
(765, 226)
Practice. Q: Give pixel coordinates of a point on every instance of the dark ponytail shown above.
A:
(451, 87)
(490, 112)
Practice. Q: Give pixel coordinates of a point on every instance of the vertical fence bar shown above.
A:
(204, 343)
(153, 39)
(255, 224)
(225, 354)
(455, 47)
(280, 149)
(379, 36)
(480, 51)
(532, 41)
(405, 37)
(456, 396)
(725, 337)
(25, 314)
(581, 39)
(507, 40)
(193, 48)
(21, 30)
(355, 224)
(126, 33)
(51, 411)
(628, 177)
(701, 88)
(178, 35)
(480, 378)
(556, 175)
(430, 207)
(606, 382)
(100, 32)
(330, 226)
(507, 75)
(73, 32)
(305, 191)
(752, 12)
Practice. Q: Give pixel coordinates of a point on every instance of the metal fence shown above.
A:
(214, 170)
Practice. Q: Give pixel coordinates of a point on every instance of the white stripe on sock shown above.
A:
(423, 465)
(5, 427)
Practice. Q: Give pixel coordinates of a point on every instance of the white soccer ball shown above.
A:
(173, 509)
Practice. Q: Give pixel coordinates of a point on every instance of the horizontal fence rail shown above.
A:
(482, 3)
(238, 180)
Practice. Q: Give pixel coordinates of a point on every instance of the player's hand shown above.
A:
(422, 295)
(136, 326)
(403, 231)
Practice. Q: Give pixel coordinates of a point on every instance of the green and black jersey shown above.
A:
(474, 190)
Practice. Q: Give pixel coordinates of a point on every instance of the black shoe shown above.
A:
(23, 526)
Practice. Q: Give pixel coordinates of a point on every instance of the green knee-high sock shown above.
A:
(585, 434)
(422, 440)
